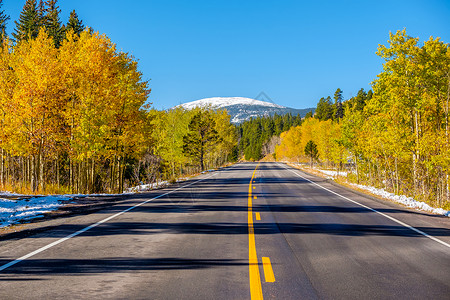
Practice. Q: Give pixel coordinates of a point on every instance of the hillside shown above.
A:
(242, 109)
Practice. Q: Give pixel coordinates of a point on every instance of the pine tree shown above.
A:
(311, 151)
(309, 114)
(41, 12)
(201, 137)
(338, 109)
(360, 100)
(3, 19)
(74, 23)
(324, 110)
(52, 22)
(29, 23)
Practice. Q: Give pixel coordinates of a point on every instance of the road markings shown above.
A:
(258, 217)
(375, 211)
(268, 271)
(255, 277)
(254, 197)
(5, 266)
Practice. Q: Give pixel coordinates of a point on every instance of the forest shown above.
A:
(259, 136)
(75, 116)
(396, 137)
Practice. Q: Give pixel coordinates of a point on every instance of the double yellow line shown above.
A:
(255, 278)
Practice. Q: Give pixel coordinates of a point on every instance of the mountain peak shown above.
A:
(223, 102)
(242, 109)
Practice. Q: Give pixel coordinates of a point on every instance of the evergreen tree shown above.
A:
(52, 22)
(324, 110)
(3, 19)
(41, 13)
(201, 137)
(338, 109)
(29, 22)
(311, 151)
(360, 100)
(369, 95)
(75, 23)
(309, 114)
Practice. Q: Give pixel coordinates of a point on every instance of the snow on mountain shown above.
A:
(223, 102)
(242, 109)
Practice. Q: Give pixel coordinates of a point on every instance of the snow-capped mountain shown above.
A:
(242, 109)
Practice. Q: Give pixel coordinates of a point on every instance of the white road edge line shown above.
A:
(93, 225)
(374, 210)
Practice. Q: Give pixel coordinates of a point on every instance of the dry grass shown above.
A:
(25, 189)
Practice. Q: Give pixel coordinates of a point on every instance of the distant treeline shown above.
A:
(258, 136)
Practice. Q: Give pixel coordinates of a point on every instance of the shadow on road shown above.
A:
(96, 266)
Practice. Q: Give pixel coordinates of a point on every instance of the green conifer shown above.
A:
(52, 22)
(311, 151)
(338, 109)
(41, 12)
(3, 20)
(75, 23)
(324, 110)
(201, 137)
(29, 23)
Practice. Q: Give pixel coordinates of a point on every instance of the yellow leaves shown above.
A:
(36, 98)
(325, 134)
(84, 97)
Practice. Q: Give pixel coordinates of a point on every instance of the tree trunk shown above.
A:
(41, 171)
(92, 175)
(201, 158)
(2, 175)
(57, 171)
(33, 173)
(120, 167)
(71, 176)
(79, 180)
(396, 177)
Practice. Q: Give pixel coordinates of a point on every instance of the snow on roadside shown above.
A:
(332, 173)
(148, 187)
(25, 208)
(155, 185)
(13, 211)
(402, 199)
(407, 201)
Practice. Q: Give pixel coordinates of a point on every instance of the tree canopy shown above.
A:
(397, 136)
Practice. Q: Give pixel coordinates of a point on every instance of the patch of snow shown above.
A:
(332, 173)
(6, 193)
(13, 211)
(407, 201)
(221, 102)
(148, 187)
(155, 185)
(30, 207)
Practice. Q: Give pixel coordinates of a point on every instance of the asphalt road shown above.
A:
(282, 235)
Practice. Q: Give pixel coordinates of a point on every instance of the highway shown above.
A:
(248, 231)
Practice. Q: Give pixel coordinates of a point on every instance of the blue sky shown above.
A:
(294, 51)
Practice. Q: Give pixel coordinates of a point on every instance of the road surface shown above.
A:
(248, 231)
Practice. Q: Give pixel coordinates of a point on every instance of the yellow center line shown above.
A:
(258, 217)
(255, 278)
(268, 271)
